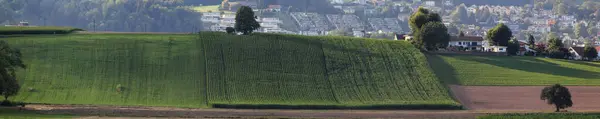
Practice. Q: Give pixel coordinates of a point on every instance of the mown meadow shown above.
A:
(227, 71)
(504, 70)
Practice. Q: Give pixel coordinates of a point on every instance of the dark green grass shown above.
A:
(504, 70)
(221, 70)
(24, 114)
(544, 116)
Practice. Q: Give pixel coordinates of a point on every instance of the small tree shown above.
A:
(10, 60)
(557, 95)
(590, 52)
(531, 42)
(245, 21)
(230, 30)
(513, 47)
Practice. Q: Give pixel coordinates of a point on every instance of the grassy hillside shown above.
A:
(23, 114)
(220, 70)
(502, 70)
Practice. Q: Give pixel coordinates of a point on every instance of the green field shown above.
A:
(220, 70)
(544, 116)
(503, 70)
(23, 114)
(11, 30)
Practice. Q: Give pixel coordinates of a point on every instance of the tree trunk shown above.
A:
(557, 109)
(6, 98)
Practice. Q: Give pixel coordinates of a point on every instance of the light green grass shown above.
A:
(23, 114)
(543, 116)
(504, 70)
(262, 69)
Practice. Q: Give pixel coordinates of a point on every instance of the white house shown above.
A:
(598, 49)
(470, 43)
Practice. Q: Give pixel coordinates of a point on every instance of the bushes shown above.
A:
(37, 30)
(12, 104)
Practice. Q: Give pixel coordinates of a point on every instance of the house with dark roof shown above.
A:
(469, 43)
(576, 53)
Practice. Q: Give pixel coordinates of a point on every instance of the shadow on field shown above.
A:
(341, 107)
(442, 70)
(593, 64)
(531, 65)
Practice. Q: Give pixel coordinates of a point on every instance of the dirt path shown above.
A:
(111, 32)
(108, 111)
(585, 98)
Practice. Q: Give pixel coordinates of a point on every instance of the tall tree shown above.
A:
(10, 61)
(590, 52)
(245, 21)
(499, 35)
(433, 35)
(554, 43)
(421, 17)
(557, 95)
(531, 41)
(581, 30)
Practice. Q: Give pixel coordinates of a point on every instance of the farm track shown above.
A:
(116, 112)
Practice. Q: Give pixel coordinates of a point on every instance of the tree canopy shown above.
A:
(589, 52)
(581, 30)
(557, 95)
(245, 21)
(10, 61)
(513, 47)
(499, 35)
(421, 17)
(531, 41)
(433, 35)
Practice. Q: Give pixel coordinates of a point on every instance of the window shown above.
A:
(501, 49)
(459, 43)
(473, 43)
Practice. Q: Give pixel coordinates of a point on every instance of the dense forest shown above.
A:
(104, 15)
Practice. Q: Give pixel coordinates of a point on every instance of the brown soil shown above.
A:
(156, 112)
(585, 98)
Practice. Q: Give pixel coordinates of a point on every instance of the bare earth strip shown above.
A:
(585, 98)
(111, 32)
(110, 111)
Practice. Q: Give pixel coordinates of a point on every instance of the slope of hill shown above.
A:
(227, 71)
(502, 70)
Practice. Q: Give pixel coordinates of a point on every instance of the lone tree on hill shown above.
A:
(590, 52)
(557, 95)
(428, 31)
(433, 35)
(499, 35)
(10, 60)
(245, 21)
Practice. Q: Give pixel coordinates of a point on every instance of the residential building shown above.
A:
(469, 43)
(598, 49)
(576, 53)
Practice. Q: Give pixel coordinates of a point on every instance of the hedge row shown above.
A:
(11, 30)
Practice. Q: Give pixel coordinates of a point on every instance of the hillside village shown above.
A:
(363, 18)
